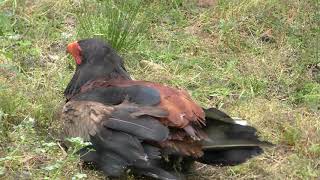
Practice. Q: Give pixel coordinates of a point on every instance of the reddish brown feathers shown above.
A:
(182, 110)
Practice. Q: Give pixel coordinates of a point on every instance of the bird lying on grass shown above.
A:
(141, 125)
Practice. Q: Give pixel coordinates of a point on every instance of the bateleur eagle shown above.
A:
(140, 124)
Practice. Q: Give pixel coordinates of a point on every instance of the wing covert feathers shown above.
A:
(181, 108)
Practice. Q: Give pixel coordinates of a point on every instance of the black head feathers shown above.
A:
(95, 59)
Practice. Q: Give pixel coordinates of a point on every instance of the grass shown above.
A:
(115, 22)
(258, 60)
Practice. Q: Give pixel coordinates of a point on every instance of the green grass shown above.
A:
(216, 53)
(117, 22)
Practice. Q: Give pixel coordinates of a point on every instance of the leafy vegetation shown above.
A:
(256, 59)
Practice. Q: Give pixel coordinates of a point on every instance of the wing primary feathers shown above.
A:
(152, 111)
(213, 113)
(152, 151)
(145, 128)
(118, 124)
(118, 150)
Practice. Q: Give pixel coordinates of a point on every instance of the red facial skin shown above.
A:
(75, 50)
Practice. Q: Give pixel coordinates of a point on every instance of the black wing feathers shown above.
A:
(107, 96)
(113, 95)
(224, 132)
(118, 150)
(229, 156)
(230, 143)
(143, 95)
(144, 127)
(121, 137)
(213, 113)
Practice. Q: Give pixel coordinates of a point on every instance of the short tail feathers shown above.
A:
(230, 141)
(229, 156)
